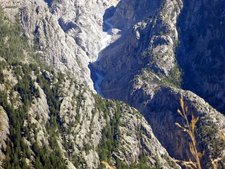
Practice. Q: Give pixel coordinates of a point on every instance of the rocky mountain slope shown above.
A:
(54, 122)
(162, 51)
(146, 53)
(50, 120)
(63, 31)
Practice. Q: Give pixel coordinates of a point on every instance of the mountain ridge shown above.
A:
(137, 53)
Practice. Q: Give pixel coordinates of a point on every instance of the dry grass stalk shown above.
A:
(189, 128)
(107, 165)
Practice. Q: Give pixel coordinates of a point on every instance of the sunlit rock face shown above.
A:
(68, 34)
(147, 53)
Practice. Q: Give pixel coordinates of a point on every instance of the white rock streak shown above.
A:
(111, 35)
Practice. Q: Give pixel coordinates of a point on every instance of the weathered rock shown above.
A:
(147, 63)
(161, 113)
(82, 119)
(149, 39)
(4, 131)
(68, 34)
(149, 43)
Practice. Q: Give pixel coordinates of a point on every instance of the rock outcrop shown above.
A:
(147, 53)
(56, 121)
(4, 131)
(68, 34)
(63, 116)
(145, 65)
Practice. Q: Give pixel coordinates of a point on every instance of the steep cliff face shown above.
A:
(201, 50)
(140, 48)
(51, 120)
(61, 123)
(4, 126)
(68, 34)
(145, 65)
(148, 44)
(131, 12)
(161, 113)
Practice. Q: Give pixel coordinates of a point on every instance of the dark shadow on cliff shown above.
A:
(161, 113)
(111, 52)
(200, 53)
(106, 17)
(49, 2)
(161, 110)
